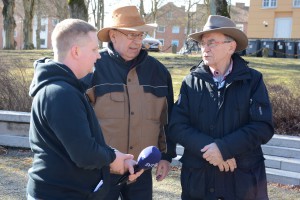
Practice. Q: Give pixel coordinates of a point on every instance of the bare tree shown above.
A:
(97, 7)
(142, 10)
(190, 14)
(27, 28)
(61, 8)
(222, 8)
(219, 7)
(78, 9)
(9, 23)
(39, 27)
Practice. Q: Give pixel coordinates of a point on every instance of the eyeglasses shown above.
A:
(133, 36)
(212, 44)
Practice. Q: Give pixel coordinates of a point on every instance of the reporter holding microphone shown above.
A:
(71, 159)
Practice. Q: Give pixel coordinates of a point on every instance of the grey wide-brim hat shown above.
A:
(221, 24)
(125, 18)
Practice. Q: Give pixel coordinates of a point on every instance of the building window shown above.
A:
(54, 22)
(15, 33)
(175, 42)
(42, 41)
(162, 41)
(269, 3)
(169, 15)
(240, 26)
(161, 29)
(296, 3)
(175, 29)
(43, 27)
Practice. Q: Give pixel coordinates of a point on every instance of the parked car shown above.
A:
(151, 44)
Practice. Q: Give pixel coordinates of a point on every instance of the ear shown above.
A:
(75, 51)
(232, 47)
(112, 36)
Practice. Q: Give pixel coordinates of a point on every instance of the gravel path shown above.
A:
(14, 164)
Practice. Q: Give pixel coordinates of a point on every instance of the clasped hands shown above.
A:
(212, 154)
(124, 163)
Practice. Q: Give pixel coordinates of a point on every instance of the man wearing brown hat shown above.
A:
(222, 117)
(132, 95)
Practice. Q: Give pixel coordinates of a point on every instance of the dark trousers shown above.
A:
(141, 189)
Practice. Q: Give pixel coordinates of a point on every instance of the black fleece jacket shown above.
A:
(70, 154)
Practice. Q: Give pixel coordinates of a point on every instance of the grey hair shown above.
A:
(67, 33)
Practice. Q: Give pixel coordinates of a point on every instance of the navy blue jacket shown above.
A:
(70, 154)
(238, 118)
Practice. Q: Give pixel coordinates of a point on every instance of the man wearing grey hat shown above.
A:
(132, 95)
(222, 117)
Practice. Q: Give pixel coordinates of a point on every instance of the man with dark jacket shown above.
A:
(71, 158)
(133, 96)
(222, 117)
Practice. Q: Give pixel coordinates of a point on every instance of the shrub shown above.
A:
(14, 85)
(286, 109)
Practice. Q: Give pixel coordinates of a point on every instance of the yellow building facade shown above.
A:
(274, 19)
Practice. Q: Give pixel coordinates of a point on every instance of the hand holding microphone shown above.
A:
(147, 159)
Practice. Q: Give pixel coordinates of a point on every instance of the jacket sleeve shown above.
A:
(68, 119)
(259, 129)
(170, 145)
(181, 130)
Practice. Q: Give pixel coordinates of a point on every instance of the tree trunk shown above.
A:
(78, 9)
(38, 28)
(142, 11)
(9, 24)
(27, 28)
(222, 8)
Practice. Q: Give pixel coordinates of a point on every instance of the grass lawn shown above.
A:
(275, 70)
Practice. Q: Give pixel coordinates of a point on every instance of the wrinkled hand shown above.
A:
(227, 165)
(162, 170)
(212, 154)
(133, 177)
(119, 166)
(129, 164)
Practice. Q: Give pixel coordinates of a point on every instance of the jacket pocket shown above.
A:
(251, 184)
(154, 107)
(193, 182)
(260, 111)
(110, 106)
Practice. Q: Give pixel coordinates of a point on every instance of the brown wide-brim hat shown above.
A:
(125, 18)
(221, 24)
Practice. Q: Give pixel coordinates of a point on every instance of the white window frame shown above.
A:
(296, 3)
(240, 26)
(176, 42)
(169, 15)
(269, 3)
(176, 29)
(161, 29)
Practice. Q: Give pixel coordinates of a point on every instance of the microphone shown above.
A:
(147, 159)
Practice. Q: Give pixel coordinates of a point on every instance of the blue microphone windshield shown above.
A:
(147, 159)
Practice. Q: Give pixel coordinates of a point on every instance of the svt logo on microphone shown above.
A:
(150, 165)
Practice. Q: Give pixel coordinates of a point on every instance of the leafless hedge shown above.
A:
(286, 110)
(14, 85)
